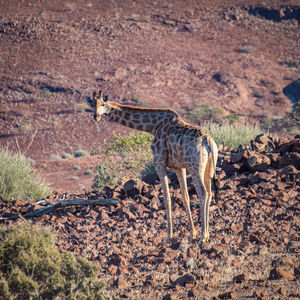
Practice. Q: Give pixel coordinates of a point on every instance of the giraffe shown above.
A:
(176, 145)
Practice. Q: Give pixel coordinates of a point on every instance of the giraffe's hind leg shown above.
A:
(181, 175)
(198, 173)
(209, 172)
(162, 174)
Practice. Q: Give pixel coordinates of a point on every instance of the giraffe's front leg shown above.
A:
(162, 174)
(181, 175)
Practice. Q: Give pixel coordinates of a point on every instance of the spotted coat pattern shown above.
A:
(177, 145)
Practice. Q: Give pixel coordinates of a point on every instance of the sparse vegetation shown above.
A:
(137, 100)
(18, 179)
(44, 91)
(131, 154)
(232, 118)
(81, 153)
(88, 172)
(205, 111)
(131, 142)
(25, 128)
(76, 167)
(55, 157)
(67, 156)
(104, 177)
(32, 268)
(232, 135)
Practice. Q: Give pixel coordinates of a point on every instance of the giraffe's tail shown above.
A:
(216, 183)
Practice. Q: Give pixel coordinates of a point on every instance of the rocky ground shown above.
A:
(206, 59)
(209, 60)
(253, 250)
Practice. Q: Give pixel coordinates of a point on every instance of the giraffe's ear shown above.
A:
(105, 98)
(90, 101)
(100, 96)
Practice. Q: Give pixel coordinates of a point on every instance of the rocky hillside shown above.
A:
(254, 245)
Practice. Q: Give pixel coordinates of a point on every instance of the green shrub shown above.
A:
(205, 111)
(32, 268)
(67, 156)
(18, 179)
(88, 172)
(131, 142)
(25, 128)
(104, 177)
(232, 135)
(81, 153)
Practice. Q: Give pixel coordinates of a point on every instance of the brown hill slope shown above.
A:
(198, 57)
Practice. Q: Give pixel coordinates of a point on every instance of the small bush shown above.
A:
(25, 128)
(32, 268)
(67, 156)
(232, 135)
(104, 177)
(81, 153)
(88, 172)
(55, 157)
(131, 142)
(18, 179)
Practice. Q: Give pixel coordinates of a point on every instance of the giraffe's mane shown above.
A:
(140, 109)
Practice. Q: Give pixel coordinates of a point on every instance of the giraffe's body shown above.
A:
(177, 145)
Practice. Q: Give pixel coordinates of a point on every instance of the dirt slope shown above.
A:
(226, 54)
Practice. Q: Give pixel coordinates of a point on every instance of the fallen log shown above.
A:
(61, 204)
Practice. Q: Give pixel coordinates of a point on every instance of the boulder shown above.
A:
(290, 158)
(133, 188)
(257, 162)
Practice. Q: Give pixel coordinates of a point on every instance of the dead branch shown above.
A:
(61, 204)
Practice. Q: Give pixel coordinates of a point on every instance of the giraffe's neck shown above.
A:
(143, 119)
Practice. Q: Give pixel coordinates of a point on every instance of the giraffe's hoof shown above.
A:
(205, 238)
(169, 240)
(193, 236)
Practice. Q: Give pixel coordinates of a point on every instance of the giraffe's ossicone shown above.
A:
(176, 145)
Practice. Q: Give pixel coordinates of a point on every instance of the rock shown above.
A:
(190, 263)
(125, 212)
(241, 278)
(174, 277)
(113, 269)
(286, 139)
(257, 162)
(132, 188)
(258, 147)
(122, 283)
(187, 278)
(155, 203)
(290, 158)
(236, 228)
(267, 175)
(291, 146)
(289, 170)
(278, 273)
(261, 294)
(170, 297)
(254, 178)
(262, 139)
(236, 157)
(228, 295)
(282, 291)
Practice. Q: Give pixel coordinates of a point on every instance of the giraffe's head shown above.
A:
(98, 103)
